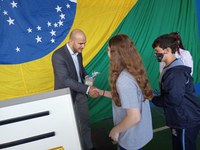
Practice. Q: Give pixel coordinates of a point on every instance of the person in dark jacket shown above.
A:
(177, 95)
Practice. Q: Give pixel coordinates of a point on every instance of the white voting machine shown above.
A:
(39, 122)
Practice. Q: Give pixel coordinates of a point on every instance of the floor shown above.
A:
(100, 131)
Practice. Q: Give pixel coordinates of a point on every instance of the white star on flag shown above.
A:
(53, 33)
(29, 30)
(13, 4)
(60, 23)
(58, 8)
(11, 21)
(55, 25)
(5, 12)
(48, 24)
(62, 16)
(38, 39)
(17, 49)
(52, 40)
(39, 28)
(68, 6)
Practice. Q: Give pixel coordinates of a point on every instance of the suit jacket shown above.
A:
(65, 74)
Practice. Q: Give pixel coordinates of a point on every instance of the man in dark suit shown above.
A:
(69, 72)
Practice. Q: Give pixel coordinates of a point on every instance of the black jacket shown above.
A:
(178, 99)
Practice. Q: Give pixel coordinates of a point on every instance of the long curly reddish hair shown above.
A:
(124, 55)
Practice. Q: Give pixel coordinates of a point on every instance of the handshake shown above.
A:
(95, 92)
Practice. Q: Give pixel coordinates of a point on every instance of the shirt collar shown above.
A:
(70, 50)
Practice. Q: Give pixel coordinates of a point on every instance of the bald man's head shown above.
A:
(77, 40)
(75, 33)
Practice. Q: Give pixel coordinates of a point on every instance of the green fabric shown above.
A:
(146, 21)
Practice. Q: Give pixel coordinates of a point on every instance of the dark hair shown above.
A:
(124, 55)
(165, 41)
(178, 37)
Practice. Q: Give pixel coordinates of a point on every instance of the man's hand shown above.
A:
(94, 92)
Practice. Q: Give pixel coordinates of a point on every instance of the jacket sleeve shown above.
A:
(158, 101)
(172, 89)
(63, 75)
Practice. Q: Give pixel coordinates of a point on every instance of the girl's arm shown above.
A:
(131, 119)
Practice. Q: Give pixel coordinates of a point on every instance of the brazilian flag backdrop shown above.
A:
(30, 31)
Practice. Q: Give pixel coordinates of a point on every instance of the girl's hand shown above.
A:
(114, 134)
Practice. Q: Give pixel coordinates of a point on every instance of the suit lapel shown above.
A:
(80, 64)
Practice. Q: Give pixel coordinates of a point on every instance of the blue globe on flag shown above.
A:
(31, 29)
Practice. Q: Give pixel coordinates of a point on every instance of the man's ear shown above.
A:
(70, 42)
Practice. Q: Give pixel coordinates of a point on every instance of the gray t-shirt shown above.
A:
(131, 97)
